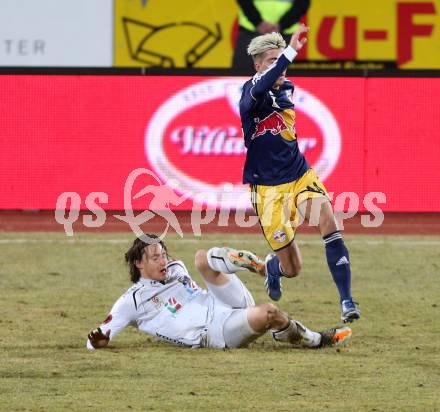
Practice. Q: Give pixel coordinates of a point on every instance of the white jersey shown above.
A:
(176, 310)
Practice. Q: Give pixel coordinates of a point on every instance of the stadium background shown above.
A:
(92, 90)
(81, 104)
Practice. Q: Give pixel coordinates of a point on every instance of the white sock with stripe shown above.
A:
(218, 260)
(297, 333)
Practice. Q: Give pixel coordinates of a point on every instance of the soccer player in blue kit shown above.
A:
(284, 189)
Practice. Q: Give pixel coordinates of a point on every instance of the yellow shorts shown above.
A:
(276, 206)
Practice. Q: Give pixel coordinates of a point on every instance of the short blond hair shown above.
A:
(262, 44)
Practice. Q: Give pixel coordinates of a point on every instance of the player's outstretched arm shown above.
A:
(123, 313)
(267, 79)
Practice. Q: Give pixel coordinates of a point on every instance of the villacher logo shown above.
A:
(195, 138)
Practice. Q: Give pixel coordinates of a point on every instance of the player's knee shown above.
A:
(200, 259)
(261, 317)
(268, 312)
(264, 317)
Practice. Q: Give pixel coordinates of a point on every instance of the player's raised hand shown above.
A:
(296, 42)
(98, 339)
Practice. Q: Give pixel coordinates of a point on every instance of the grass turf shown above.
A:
(55, 289)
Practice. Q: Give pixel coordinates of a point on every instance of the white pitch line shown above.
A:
(400, 242)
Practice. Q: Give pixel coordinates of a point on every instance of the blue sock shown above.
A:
(274, 266)
(339, 263)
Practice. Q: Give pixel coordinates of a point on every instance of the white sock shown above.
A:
(218, 260)
(309, 338)
(297, 333)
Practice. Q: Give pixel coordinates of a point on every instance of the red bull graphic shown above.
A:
(274, 123)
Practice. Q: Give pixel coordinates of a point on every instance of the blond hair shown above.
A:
(262, 44)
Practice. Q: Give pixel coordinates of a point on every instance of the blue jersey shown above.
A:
(268, 122)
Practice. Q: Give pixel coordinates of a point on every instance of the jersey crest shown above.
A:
(173, 305)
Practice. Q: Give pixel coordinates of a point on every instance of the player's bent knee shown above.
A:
(261, 317)
(268, 311)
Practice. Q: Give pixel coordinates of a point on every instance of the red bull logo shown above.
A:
(274, 123)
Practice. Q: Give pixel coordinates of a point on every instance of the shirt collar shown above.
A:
(150, 282)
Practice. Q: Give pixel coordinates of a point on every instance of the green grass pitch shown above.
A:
(54, 289)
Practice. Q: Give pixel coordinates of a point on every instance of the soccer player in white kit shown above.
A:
(166, 303)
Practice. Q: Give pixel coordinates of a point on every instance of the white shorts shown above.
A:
(230, 327)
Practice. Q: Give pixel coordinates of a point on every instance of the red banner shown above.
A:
(89, 134)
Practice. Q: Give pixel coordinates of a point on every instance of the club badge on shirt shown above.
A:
(173, 305)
